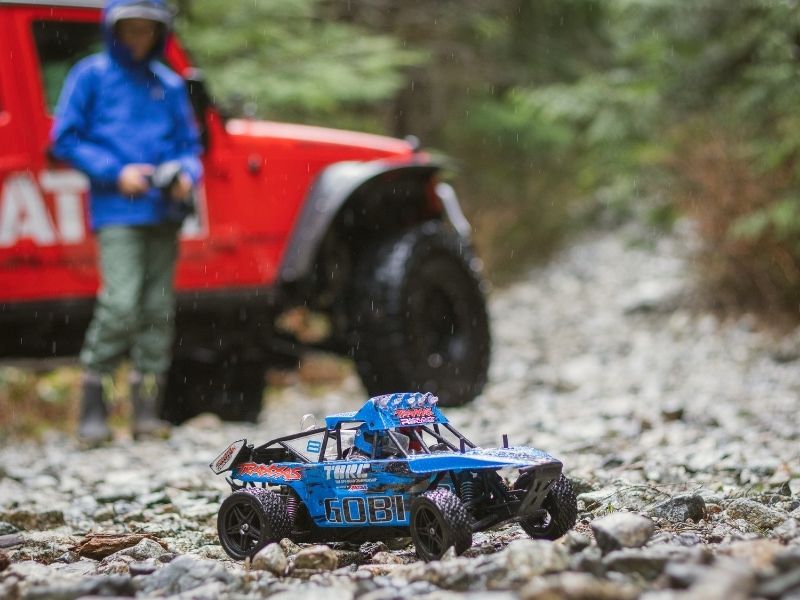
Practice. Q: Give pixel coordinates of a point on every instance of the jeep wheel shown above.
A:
(439, 521)
(250, 519)
(419, 316)
(561, 506)
(231, 388)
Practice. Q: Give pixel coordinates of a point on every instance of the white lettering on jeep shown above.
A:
(24, 214)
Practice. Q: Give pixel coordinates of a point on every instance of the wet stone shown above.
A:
(145, 567)
(386, 558)
(756, 514)
(186, 573)
(271, 558)
(315, 558)
(33, 520)
(622, 530)
(681, 508)
(577, 586)
(370, 549)
(7, 528)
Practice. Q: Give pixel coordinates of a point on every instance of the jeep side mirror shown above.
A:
(201, 101)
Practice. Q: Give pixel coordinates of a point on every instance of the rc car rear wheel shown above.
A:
(561, 506)
(439, 521)
(419, 316)
(250, 519)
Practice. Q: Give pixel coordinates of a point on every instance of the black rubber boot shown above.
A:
(92, 427)
(146, 397)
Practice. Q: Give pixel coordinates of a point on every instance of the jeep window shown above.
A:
(60, 44)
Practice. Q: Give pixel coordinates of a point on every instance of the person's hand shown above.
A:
(182, 188)
(133, 179)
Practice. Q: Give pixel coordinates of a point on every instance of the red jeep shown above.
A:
(354, 227)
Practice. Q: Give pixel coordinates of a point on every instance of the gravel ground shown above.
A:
(679, 432)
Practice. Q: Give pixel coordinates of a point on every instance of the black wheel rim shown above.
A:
(241, 528)
(430, 533)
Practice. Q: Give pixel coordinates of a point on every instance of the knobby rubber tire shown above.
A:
(264, 509)
(443, 511)
(419, 316)
(561, 505)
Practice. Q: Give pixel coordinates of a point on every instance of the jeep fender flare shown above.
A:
(332, 190)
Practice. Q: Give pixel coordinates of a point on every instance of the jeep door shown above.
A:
(45, 252)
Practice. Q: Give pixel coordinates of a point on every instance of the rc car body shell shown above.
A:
(341, 492)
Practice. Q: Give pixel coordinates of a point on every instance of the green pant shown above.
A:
(135, 311)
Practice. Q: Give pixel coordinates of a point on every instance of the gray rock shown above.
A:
(781, 585)
(684, 575)
(7, 528)
(271, 558)
(521, 561)
(756, 514)
(30, 520)
(575, 542)
(787, 531)
(145, 567)
(289, 547)
(144, 550)
(386, 558)
(95, 585)
(650, 562)
(588, 560)
(727, 579)
(370, 549)
(119, 565)
(316, 558)
(622, 530)
(577, 586)
(681, 508)
(186, 573)
(788, 559)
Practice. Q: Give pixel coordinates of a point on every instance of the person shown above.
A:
(121, 114)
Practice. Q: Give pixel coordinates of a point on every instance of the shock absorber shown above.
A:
(467, 490)
(291, 506)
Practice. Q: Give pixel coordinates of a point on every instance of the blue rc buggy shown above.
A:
(393, 468)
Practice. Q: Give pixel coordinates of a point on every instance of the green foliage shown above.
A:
(553, 107)
(288, 63)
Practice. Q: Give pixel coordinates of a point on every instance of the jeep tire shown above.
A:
(419, 316)
(561, 506)
(439, 520)
(249, 519)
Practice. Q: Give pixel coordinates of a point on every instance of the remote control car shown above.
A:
(394, 468)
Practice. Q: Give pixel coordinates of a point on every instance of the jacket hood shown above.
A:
(116, 10)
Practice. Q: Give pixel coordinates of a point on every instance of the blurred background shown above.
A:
(561, 115)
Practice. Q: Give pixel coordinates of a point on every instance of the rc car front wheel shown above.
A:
(250, 519)
(561, 507)
(439, 521)
(419, 316)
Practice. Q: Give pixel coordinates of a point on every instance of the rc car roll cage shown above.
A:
(263, 451)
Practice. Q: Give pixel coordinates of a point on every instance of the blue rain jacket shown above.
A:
(114, 111)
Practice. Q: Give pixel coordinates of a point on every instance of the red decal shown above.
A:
(225, 457)
(415, 416)
(273, 471)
